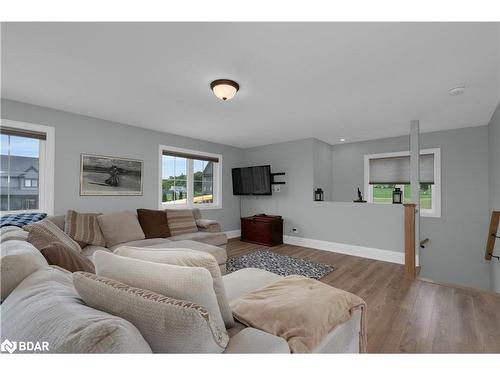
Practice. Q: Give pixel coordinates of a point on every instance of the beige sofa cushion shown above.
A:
(169, 325)
(215, 239)
(247, 280)
(147, 242)
(218, 253)
(20, 235)
(19, 259)
(194, 284)
(84, 228)
(46, 307)
(44, 232)
(57, 220)
(181, 222)
(188, 258)
(119, 227)
(208, 225)
(9, 228)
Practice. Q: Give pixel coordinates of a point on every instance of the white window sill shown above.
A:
(24, 212)
(214, 206)
(430, 214)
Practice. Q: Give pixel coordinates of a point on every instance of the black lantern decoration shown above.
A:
(397, 196)
(318, 194)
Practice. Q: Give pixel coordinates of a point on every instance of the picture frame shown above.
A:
(102, 175)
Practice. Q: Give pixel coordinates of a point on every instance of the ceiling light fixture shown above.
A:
(458, 90)
(224, 89)
(342, 139)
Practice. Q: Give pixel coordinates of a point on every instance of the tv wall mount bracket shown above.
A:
(273, 182)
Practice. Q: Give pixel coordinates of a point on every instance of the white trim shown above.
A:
(354, 250)
(217, 181)
(46, 169)
(436, 211)
(233, 233)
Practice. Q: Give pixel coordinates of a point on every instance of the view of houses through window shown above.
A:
(20, 157)
(187, 181)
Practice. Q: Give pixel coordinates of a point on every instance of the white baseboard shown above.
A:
(342, 248)
(233, 233)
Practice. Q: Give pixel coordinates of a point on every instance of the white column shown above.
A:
(415, 177)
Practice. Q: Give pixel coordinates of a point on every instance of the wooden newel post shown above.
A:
(410, 266)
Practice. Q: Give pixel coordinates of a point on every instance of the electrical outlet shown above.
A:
(295, 230)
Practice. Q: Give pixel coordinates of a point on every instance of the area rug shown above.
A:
(283, 265)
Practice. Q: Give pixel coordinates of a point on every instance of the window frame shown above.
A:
(217, 180)
(437, 188)
(46, 165)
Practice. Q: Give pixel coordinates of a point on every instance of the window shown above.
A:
(27, 167)
(384, 172)
(31, 182)
(190, 178)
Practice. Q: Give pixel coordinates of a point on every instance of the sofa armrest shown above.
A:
(251, 340)
(206, 225)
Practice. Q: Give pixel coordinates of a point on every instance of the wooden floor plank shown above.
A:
(406, 316)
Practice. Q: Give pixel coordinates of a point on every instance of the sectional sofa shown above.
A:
(40, 304)
(206, 236)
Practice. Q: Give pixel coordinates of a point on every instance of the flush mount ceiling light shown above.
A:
(224, 89)
(458, 90)
(342, 139)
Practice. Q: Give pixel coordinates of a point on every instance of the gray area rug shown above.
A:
(283, 265)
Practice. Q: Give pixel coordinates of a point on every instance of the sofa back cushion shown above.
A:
(46, 307)
(186, 258)
(58, 254)
(181, 222)
(43, 233)
(169, 325)
(19, 259)
(194, 284)
(119, 227)
(17, 234)
(153, 223)
(57, 220)
(84, 228)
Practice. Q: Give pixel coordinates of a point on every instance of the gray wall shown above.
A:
(494, 164)
(323, 168)
(377, 226)
(348, 164)
(456, 250)
(77, 134)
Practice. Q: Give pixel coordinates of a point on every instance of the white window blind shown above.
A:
(396, 170)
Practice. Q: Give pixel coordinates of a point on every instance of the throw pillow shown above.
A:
(58, 254)
(120, 227)
(186, 258)
(84, 228)
(193, 284)
(43, 233)
(153, 223)
(169, 325)
(181, 222)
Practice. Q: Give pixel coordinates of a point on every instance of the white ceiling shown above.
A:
(298, 80)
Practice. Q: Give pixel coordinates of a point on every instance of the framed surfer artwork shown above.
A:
(107, 175)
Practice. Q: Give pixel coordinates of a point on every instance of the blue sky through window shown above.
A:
(19, 146)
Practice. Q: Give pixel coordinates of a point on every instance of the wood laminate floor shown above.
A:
(404, 316)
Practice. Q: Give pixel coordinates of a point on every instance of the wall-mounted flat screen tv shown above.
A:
(252, 180)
